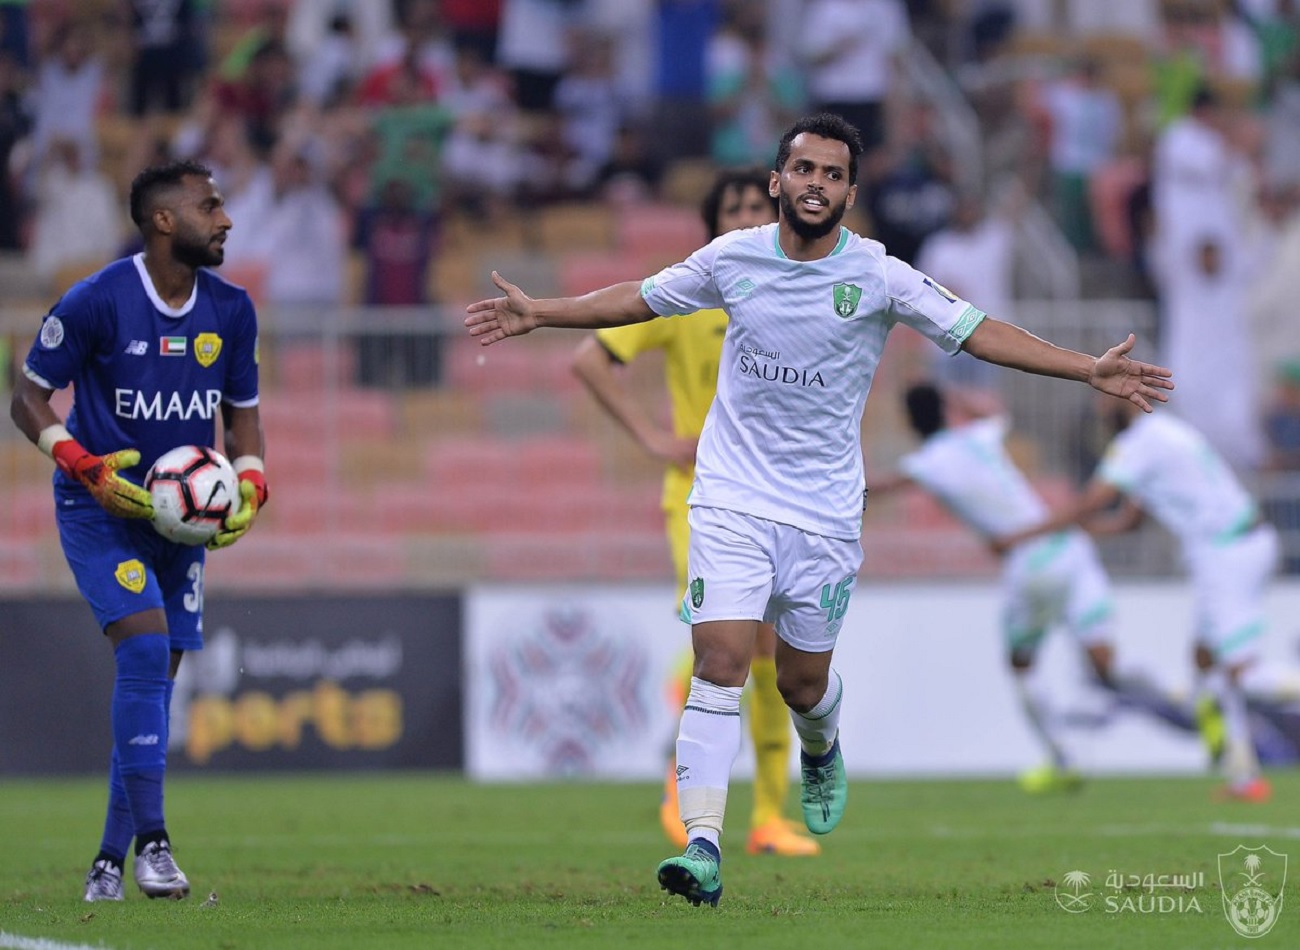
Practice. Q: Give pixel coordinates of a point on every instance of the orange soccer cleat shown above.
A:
(779, 836)
(1257, 790)
(669, 814)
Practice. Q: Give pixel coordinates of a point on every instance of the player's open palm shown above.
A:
(495, 319)
(1116, 374)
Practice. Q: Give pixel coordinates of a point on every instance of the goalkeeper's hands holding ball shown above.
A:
(252, 494)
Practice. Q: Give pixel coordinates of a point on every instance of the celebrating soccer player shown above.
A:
(776, 506)
(738, 199)
(153, 345)
(1161, 465)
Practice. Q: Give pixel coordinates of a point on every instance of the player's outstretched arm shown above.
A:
(31, 412)
(1114, 373)
(1096, 496)
(492, 320)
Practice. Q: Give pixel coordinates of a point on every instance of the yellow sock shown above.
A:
(769, 727)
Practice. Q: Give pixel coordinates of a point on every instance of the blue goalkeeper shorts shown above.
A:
(122, 566)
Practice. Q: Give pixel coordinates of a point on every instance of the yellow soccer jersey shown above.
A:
(691, 346)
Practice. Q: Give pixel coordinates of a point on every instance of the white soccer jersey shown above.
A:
(1169, 468)
(968, 469)
(783, 439)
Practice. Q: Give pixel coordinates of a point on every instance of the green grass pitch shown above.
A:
(413, 860)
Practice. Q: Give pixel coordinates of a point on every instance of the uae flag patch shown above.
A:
(171, 345)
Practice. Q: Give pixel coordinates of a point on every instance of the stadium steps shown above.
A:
(663, 232)
(540, 367)
(330, 559)
(344, 412)
(581, 272)
(308, 366)
(424, 413)
(529, 465)
(578, 556)
(569, 226)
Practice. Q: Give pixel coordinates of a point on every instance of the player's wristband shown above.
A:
(51, 436)
(64, 449)
(251, 469)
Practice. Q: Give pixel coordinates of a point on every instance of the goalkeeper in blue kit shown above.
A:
(155, 346)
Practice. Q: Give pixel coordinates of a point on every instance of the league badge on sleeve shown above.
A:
(941, 290)
(51, 332)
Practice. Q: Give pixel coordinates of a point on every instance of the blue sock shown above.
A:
(140, 726)
(119, 828)
(167, 711)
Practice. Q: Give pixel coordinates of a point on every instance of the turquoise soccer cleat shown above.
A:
(696, 875)
(825, 789)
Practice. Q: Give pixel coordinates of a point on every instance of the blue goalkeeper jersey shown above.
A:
(145, 375)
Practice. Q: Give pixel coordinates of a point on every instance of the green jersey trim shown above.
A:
(839, 245)
(967, 323)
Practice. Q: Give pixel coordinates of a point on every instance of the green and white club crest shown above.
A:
(846, 297)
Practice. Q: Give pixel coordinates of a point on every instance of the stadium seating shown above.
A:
(660, 231)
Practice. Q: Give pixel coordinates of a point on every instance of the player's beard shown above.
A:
(811, 230)
(198, 251)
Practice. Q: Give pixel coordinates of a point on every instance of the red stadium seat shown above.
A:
(662, 232)
(581, 273)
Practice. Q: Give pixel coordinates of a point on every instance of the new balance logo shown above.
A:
(137, 348)
(151, 739)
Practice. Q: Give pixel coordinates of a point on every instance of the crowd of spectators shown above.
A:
(1162, 135)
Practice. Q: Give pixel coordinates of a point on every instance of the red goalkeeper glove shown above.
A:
(252, 493)
(98, 473)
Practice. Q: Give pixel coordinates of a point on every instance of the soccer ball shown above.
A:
(194, 488)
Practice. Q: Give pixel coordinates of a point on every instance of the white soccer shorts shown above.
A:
(1228, 583)
(1056, 581)
(746, 568)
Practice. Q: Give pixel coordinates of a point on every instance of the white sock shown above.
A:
(1038, 712)
(1240, 763)
(707, 744)
(818, 727)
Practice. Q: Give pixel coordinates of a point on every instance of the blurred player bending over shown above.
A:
(152, 345)
(1046, 582)
(776, 506)
(1161, 465)
(691, 347)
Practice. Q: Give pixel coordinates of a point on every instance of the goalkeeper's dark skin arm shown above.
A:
(30, 408)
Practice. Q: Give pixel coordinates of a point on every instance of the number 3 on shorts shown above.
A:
(836, 600)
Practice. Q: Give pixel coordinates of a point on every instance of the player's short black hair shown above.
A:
(727, 179)
(156, 178)
(827, 125)
(924, 403)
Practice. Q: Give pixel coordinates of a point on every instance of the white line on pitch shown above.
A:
(18, 942)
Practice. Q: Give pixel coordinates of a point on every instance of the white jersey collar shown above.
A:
(157, 301)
